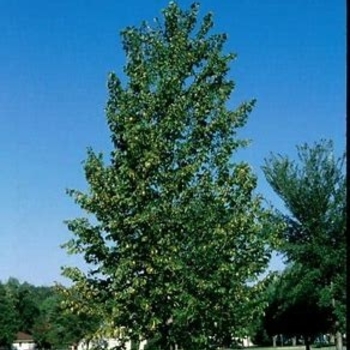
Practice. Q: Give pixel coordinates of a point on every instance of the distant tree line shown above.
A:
(38, 311)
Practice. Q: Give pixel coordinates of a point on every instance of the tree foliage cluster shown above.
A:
(38, 311)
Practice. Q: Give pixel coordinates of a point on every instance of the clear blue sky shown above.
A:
(54, 61)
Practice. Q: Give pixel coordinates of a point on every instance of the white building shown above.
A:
(107, 343)
(23, 341)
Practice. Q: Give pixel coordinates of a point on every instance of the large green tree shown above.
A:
(174, 230)
(313, 189)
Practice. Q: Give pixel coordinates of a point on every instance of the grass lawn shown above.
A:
(298, 347)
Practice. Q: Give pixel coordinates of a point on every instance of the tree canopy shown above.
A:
(174, 231)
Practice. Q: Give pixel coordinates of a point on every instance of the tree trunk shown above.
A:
(274, 341)
(338, 341)
(307, 342)
(164, 336)
(294, 341)
(338, 335)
